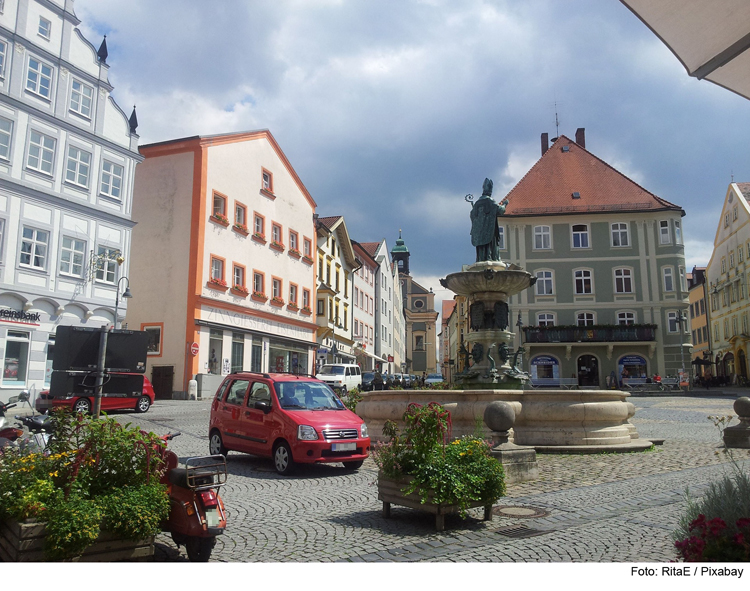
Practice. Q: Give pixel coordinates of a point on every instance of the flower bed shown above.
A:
(97, 476)
(423, 470)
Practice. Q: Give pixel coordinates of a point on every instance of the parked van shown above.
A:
(342, 377)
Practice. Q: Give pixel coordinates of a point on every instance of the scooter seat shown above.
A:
(178, 477)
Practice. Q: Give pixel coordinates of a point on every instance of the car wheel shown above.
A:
(216, 444)
(353, 465)
(82, 406)
(199, 549)
(143, 404)
(282, 459)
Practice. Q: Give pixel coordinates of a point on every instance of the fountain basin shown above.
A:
(544, 418)
(488, 277)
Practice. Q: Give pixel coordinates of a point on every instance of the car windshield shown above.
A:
(434, 376)
(307, 396)
(332, 370)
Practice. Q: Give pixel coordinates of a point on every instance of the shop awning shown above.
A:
(699, 361)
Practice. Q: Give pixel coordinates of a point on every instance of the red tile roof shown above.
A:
(548, 187)
(370, 247)
(329, 222)
(448, 307)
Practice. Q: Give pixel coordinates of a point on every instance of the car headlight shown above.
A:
(306, 433)
(363, 430)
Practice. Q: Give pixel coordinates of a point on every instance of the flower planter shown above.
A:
(278, 247)
(277, 303)
(307, 259)
(306, 311)
(240, 230)
(259, 238)
(390, 492)
(294, 253)
(221, 221)
(216, 286)
(24, 542)
(239, 292)
(259, 298)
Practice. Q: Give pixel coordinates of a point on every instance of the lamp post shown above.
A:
(519, 324)
(682, 320)
(125, 294)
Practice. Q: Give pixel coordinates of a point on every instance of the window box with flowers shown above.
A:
(306, 310)
(219, 218)
(293, 252)
(218, 284)
(241, 229)
(277, 246)
(259, 296)
(292, 306)
(240, 290)
(307, 260)
(258, 237)
(425, 470)
(277, 301)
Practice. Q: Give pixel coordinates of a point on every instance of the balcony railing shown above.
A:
(589, 334)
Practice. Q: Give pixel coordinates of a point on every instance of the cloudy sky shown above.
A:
(392, 110)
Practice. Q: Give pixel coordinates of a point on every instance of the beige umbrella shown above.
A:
(709, 37)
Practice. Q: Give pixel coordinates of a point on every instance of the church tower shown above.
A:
(400, 256)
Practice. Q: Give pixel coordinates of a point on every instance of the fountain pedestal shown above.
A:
(487, 285)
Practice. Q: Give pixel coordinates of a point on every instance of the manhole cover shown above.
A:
(520, 531)
(519, 511)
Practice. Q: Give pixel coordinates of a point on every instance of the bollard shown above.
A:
(192, 390)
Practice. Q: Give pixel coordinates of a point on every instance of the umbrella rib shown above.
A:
(722, 58)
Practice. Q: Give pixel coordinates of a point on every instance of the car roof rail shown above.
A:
(295, 373)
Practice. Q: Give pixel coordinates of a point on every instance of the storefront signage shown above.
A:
(390, 358)
(544, 360)
(545, 367)
(20, 316)
(632, 360)
(255, 323)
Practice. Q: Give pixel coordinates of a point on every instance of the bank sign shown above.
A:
(20, 316)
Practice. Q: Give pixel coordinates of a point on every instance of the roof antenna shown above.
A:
(557, 122)
(731, 173)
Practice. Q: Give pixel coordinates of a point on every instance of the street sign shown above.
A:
(194, 348)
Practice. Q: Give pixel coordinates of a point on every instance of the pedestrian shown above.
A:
(377, 381)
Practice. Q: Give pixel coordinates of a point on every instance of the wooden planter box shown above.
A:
(24, 542)
(390, 492)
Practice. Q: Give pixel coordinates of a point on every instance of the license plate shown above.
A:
(344, 446)
(212, 517)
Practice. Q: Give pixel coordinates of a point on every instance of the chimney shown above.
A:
(545, 143)
(581, 136)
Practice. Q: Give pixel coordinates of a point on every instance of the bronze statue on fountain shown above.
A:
(487, 285)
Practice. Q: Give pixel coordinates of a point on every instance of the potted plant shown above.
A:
(95, 494)
(259, 296)
(240, 228)
(277, 301)
(424, 470)
(217, 283)
(306, 310)
(293, 252)
(277, 245)
(258, 237)
(307, 259)
(240, 290)
(292, 306)
(220, 218)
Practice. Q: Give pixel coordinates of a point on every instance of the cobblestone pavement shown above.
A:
(598, 507)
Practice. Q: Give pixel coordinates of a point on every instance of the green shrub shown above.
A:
(95, 473)
(457, 473)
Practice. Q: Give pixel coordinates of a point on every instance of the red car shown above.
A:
(292, 419)
(85, 402)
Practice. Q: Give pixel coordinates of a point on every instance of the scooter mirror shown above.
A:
(23, 396)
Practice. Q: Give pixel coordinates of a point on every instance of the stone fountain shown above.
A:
(489, 359)
(570, 421)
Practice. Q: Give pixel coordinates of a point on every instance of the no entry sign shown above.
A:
(194, 348)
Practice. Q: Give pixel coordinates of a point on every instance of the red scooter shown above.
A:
(197, 512)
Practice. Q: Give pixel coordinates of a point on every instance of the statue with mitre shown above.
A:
(485, 230)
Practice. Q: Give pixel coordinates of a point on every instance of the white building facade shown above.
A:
(363, 307)
(223, 263)
(67, 160)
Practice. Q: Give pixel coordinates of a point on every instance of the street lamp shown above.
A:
(125, 294)
(519, 324)
(682, 320)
